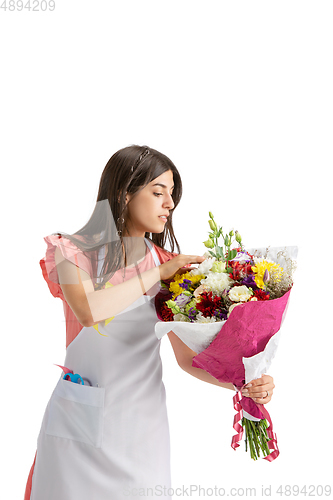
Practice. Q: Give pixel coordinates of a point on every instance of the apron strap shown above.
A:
(156, 259)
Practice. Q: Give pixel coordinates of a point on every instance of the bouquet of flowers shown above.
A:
(229, 311)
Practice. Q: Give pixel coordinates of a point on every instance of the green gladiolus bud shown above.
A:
(212, 225)
(231, 233)
(211, 215)
(209, 243)
(238, 237)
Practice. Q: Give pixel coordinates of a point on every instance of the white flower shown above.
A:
(181, 300)
(218, 267)
(180, 317)
(217, 282)
(240, 294)
(232, 307)
(201, 319)
(198, 291)
(204, 267)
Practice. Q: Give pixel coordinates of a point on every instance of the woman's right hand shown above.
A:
(175, 265)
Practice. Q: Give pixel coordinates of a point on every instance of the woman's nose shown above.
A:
(169, 202)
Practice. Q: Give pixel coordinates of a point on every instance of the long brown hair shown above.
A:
(128, 171)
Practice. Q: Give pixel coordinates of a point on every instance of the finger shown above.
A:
(267, 379)
(195, 259)
(261, 387)
(255, 382)
(262, 383)
(262, 401)
(258, 395)
(259, 390)
(183, 270)
(264, 396)
(263, 379)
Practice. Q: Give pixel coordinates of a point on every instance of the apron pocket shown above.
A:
(76, 412)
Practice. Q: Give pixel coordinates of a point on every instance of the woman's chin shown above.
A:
(156, 230)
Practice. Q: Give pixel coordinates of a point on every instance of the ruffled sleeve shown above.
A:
(70, 252)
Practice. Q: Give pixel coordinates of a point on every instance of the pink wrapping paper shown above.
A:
(245, 333)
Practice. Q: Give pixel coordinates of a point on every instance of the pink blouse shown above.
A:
(72, 253)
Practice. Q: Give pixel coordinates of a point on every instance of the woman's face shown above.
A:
(147, 206)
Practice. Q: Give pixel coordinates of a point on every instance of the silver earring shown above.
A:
(122, 222)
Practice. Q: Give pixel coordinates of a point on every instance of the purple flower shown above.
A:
(249, 282)
(242, 256)
(185, 284)
(192, 312)
(220, 314)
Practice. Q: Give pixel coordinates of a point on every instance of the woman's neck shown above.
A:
(135, 248)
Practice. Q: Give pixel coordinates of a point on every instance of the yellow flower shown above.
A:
(275, 271)
(106, 321)
(175, 287)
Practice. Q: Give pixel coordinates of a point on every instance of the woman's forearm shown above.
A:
(92, 306)
(110, 301)
(206, 377)
(185, 355)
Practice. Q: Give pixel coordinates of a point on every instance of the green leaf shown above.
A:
(212, 253)
(229, 269)
(232, 254)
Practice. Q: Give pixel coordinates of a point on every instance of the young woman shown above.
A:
(108, 437)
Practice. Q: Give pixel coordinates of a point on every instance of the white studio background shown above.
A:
(239, 96)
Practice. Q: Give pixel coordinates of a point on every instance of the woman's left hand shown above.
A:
(260, 389)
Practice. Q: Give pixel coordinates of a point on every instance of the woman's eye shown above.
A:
(158, 194)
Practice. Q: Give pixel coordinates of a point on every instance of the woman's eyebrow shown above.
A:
(162, 185)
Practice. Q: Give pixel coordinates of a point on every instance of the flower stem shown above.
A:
(250, 438)
(264, 437)
(256, 438)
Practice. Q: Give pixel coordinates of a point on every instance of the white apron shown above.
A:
(110, 440)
